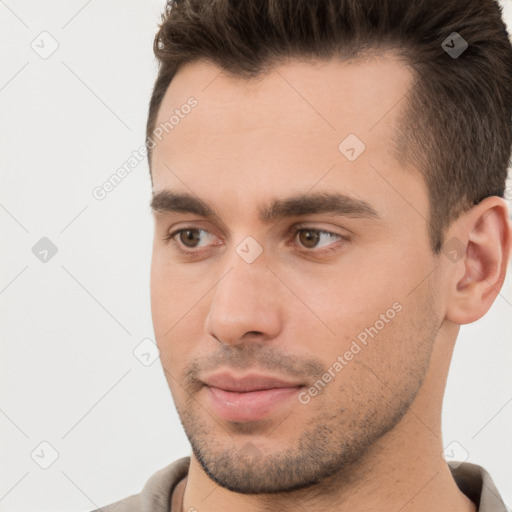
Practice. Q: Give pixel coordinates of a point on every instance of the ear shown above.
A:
(477, 250)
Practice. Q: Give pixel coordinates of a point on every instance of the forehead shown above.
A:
(333, 95)
(281, 129)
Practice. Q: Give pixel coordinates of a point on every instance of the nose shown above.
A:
(246, 302)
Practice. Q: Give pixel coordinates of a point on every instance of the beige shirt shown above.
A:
(163, 492)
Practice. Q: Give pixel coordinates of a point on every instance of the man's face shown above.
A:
(341, 303)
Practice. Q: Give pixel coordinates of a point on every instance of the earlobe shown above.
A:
(486, 234)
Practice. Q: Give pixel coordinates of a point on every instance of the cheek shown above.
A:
(370, 316)
(166, 311)
(172, 295)
(178, 311)
(354, 295)
(379, 368)
(344, 302)
(161, 300)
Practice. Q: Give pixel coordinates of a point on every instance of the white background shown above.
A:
(69, 326)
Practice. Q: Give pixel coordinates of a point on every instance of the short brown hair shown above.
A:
(455, 127)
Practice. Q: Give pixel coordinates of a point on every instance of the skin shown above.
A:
(371, 440)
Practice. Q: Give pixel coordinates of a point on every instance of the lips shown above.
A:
(247, 383)
(250, 397)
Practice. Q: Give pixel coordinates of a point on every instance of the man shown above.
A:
(328, 183)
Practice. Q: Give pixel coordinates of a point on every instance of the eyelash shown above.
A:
(171, 237)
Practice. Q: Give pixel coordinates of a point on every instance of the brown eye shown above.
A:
(309, 238)
(190, 240)
(317, 241)
(188, 237)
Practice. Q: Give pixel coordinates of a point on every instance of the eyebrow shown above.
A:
(293, 206)
(297, 205)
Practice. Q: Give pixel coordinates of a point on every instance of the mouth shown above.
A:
(248, 398)
(249, 405)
